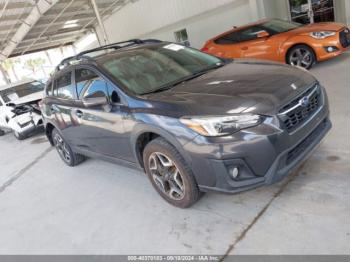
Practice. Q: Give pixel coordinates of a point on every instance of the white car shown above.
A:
(19, 107)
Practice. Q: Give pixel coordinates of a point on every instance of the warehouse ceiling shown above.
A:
(32, 25)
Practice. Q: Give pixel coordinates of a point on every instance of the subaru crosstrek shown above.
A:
(193, 122)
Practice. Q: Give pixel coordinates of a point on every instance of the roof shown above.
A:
(110, 49)
(35, 25)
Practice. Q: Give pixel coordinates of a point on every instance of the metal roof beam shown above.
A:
(41, 7)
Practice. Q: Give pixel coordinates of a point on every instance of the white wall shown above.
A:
(203, 19)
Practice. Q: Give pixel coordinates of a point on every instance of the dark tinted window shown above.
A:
(247, 34)
(84, 77)
(230, 38)
(63, 87)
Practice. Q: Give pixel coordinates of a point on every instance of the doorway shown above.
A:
(311, 11)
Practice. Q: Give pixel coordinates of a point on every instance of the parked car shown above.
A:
(282, 41)
(19, 107)
(193, 122)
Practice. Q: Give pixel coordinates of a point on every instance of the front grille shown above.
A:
(301, 108)
(303, 145)
(345, 38)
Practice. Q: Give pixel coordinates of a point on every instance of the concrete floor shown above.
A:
(101, 208)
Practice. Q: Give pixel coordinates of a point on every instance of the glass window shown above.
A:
(16, 92)
(96, 85)
(84, 77)
(49, 89)
(248, 34)
(277, 26)
(150, 68)
(63, 87)
(229, 38)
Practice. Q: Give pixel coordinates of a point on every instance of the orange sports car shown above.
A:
(282, 41)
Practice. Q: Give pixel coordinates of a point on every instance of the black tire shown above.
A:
(306, 59)
(19, 136)
(65, 151)
(190, 191)
(2, 132)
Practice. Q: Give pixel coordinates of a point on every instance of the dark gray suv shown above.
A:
(191, 121)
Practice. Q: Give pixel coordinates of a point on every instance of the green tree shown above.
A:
(34, 64)
(8, 65)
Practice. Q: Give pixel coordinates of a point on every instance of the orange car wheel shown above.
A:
(301, 55)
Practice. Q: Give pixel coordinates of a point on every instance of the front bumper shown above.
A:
(26, 124)
(264, 155)
(337, 41)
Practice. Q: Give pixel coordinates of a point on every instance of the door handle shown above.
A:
(79, 114)
(245, 48)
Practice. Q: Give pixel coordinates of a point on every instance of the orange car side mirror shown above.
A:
(263, 34)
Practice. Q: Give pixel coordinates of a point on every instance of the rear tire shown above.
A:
(2, 132)
(65, 151)
(302, 56)
(169, 174)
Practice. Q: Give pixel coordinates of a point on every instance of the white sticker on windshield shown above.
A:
(174, 47)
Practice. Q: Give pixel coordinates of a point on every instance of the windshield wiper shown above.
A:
(184, 79)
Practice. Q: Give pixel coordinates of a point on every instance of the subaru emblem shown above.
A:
(305, 101)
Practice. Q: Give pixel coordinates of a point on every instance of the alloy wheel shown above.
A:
(61, 147)
(166, 176)
(301, 57)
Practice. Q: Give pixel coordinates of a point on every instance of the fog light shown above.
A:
(331, 49)
(234, 172)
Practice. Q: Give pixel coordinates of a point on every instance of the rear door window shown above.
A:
(246, 34)
(230, 38)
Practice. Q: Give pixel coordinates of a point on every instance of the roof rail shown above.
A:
(118, 45)
(82, 55)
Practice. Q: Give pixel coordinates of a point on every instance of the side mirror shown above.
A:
(97, 98)
(262, 34)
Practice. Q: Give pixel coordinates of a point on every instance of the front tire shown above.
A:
(65, 151)
(302, 56)
(169, 174)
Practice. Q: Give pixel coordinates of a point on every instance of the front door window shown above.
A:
(312, 11)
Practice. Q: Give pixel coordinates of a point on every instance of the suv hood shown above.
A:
(242, 86)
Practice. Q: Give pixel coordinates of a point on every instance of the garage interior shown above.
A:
(102, 208)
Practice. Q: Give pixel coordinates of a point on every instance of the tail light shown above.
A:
(205, 49)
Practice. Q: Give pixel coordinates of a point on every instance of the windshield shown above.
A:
(148, 69)
(16, 92)
(277, 26)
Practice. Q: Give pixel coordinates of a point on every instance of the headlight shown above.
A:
(220, 125)
(322, 34)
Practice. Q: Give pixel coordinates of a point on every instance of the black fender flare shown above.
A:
(146, 128)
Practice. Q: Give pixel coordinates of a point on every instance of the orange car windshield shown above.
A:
(277, 26)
